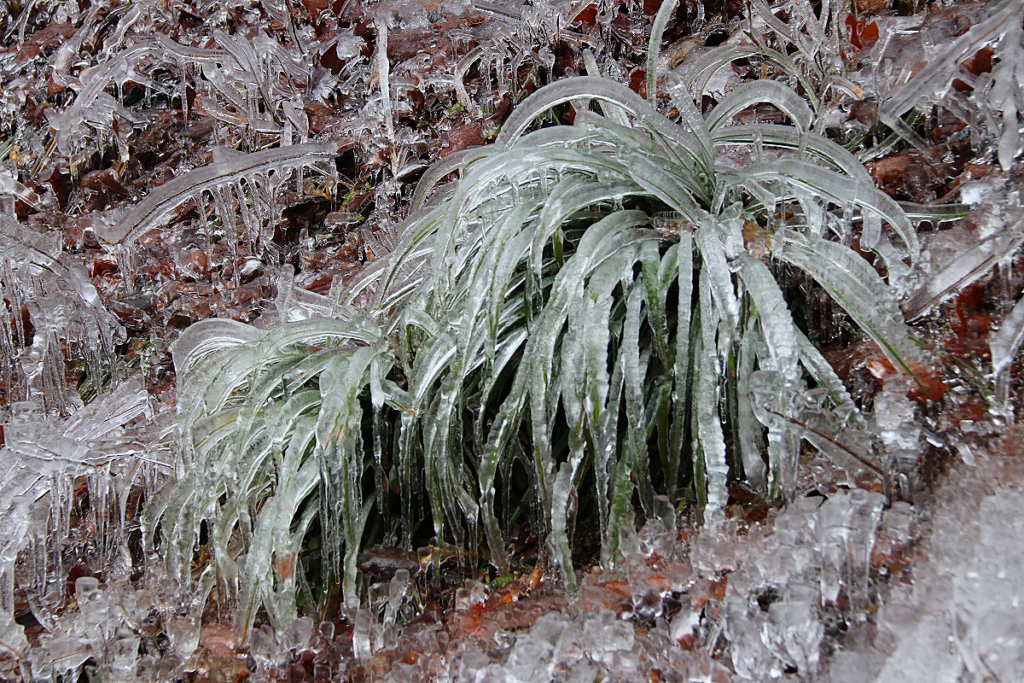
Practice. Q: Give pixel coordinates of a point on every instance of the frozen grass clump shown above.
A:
(593, 309)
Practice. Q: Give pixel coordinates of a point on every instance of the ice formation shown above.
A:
(113, 446)
(166, 162)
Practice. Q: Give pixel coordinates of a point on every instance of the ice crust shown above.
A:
(959, 619)
(778, 617)
(952, 617)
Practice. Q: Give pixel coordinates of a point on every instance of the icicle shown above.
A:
(362, 634)
(383, 68)
(52, 374)
(1004, 345)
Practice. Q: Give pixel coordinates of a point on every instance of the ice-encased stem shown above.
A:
(858, 289)
(654, 47)
(939, 72)
(1004, 345)
(384, 79)
(160, 202)
(968, 267)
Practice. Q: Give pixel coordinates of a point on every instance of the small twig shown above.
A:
(792, 420)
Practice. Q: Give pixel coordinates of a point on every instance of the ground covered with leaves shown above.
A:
(164, 163)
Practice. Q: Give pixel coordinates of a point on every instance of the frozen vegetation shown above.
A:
(499, 341)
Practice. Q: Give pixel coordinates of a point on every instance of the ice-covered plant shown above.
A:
(812, 49)
(523, 40)
(806, 50)
(47, 461)
(596, 304)
(50, 314)
(996, 97)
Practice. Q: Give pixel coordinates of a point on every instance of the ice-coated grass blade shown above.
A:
(761, 92)
(654, 47)
(858, 289)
